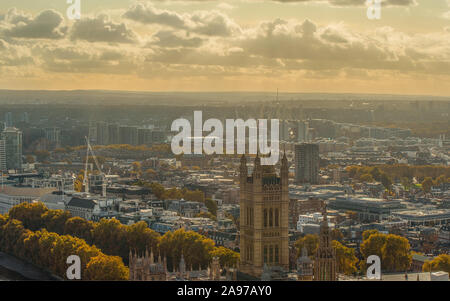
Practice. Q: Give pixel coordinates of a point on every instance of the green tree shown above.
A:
(386, 181)
(376, 173)
(212, 206)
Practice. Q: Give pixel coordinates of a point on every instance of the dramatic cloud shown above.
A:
(171, 39)
(46, 25)
(13, 55)
(310, 47)
(164, 44)
(101, 29)
(209, 23)
(353, 2)
(334, 2)
(84, 58)
(147, 14)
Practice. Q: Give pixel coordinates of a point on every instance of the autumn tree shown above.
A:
(366, 178)
(12, 234)
(30, 159)
(194, 196)
(55, 220)
(367, 233)
(29, 214)
(227, 257)
(345, 258)
(79, 227)
(393, 250)
(195, 248)
(310, 242)
(336, 234)
(158, 190)
(427, 184)
(207, 215)
(109, 235)
(140, 237)
(439, 263)
(104, 267)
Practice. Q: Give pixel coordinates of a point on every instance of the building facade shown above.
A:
(307, 163)
(13, 147)
(264, 205)
(325, 262)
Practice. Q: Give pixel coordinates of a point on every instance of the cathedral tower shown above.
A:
(264, 203)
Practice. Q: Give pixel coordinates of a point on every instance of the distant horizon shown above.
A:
(274, 93)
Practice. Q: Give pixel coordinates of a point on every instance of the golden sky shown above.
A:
(237, 45)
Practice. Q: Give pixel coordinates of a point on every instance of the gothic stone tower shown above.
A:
(264, 203)
(325, 263)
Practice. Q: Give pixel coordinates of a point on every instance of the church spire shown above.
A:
(325, 263)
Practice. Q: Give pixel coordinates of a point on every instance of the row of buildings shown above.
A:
(108, 133)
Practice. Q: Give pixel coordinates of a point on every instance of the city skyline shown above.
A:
(296, 46)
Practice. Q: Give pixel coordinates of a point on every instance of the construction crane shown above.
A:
(85, 180)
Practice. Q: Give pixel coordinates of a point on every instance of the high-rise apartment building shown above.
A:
(8, 119)
(13, 147)
(128, 135)
(102, 133)
(2, 155)
(53, 135)
(307, 163)
(113, 133)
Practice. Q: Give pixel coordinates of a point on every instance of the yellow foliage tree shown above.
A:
(440, 263)
(104, 267)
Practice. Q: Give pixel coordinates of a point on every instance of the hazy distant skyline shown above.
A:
(327, 46)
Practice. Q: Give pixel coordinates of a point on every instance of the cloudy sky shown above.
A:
(234, 45)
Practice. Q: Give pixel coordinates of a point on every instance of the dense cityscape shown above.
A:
(224, 148)
(106, 186)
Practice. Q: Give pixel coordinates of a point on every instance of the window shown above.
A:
(270, 217)
(265, 217)
(276, 218)
(277, 257)
(247, 213)
(271, 254)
